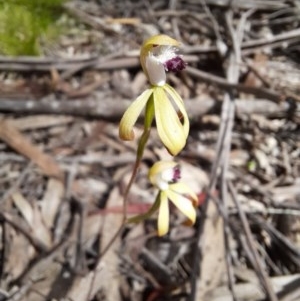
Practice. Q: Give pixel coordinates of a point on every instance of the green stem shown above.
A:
(141, 217)
(149, 116)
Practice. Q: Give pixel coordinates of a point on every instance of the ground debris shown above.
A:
(64, 170)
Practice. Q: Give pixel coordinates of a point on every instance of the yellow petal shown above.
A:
(179, 103)
(158, 40)
(183, 204)
(131, 115)
(163, 215)
(182, 188)
(169, 127)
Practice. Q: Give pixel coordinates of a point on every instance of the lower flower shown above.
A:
(183, 202)
(165, 176)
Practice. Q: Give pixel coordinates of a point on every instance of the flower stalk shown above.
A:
(163, 104)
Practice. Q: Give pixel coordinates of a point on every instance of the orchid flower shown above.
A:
(158, 55)
(161, 101)
(165, 175)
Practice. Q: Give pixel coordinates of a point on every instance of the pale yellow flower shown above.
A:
(158, 55)
(165, 176)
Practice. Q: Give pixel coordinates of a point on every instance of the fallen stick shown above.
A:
(107, 108)
(16, 140)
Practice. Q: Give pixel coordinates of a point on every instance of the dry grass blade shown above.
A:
(258, 266)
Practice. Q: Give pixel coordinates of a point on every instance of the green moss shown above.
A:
(25, 23)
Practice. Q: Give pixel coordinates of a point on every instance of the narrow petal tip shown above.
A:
(126, 136)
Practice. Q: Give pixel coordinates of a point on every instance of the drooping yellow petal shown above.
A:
(131, 115)
(183, 204)
(163, 215)
(179, 103)
(169, 127)
(157, 40)
(183, 189)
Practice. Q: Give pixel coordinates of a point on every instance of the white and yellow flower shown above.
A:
(159, 55)
(165, 175)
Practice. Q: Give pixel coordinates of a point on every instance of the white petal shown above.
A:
(164, 53)
(161, 173)
(168, 174)
(156, 71)
(161, 183)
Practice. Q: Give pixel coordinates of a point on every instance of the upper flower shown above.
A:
(158, 55)
(165, 176)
